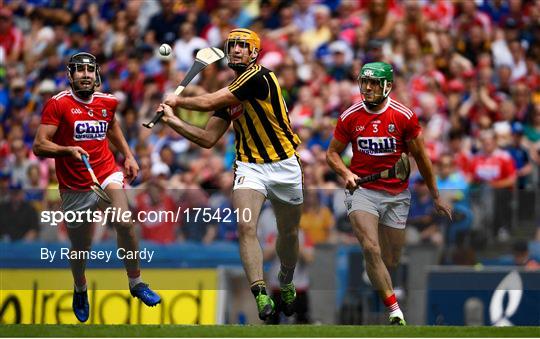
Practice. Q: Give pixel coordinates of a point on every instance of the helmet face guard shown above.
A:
(378, 74)
(78, 62)
(245, 39)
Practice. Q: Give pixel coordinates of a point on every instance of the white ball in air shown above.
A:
(165, 49)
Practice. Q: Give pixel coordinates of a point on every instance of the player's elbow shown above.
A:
(211, 143)
(207, 142)
(36, 148)
(210, 138)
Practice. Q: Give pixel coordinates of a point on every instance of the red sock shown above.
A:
(80, 281)
(391, 303)
(133, 274)
(80, 284)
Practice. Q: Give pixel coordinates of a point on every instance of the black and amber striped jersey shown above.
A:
(261, 123)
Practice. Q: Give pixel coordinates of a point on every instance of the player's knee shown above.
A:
(289, 232)
(123, 228)
(247, 229)
(371, 250)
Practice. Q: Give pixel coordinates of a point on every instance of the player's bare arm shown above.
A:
(333, 157)
(418, 151)
(119, 141)
(45, 147)
(205, 102)
(206, 137)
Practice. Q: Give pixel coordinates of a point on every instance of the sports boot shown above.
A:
(288, 295)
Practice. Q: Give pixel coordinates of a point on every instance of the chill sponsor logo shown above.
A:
(377, 145)
(90, 130)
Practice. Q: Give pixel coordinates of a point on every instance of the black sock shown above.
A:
(258, 287)
(285, 275)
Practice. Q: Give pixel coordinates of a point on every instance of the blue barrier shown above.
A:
(507, 295)
(504, 260)
(343, 257)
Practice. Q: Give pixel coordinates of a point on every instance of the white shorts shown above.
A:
(282, 180)
(392, 210)
(86, 200)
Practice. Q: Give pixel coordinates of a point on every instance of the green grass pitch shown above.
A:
(262, 331)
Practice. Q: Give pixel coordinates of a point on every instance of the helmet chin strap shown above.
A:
(239, 67)
(372, 105)
(378, 100)
(82, 93)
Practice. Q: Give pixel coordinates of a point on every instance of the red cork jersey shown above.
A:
(84, 124)
(378, 138)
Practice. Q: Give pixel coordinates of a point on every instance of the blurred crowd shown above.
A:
(469, 70)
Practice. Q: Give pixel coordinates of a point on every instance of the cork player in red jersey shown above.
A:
(81, 121)
(380, 129)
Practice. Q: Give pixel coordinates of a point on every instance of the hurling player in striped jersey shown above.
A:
(267, 165)
(380, 129)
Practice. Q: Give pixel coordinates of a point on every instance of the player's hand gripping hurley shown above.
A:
(96, 187)
(203, 58)
(400, 170)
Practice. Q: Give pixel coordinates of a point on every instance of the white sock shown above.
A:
(79, 289)
(397, 313)
(134, 281)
